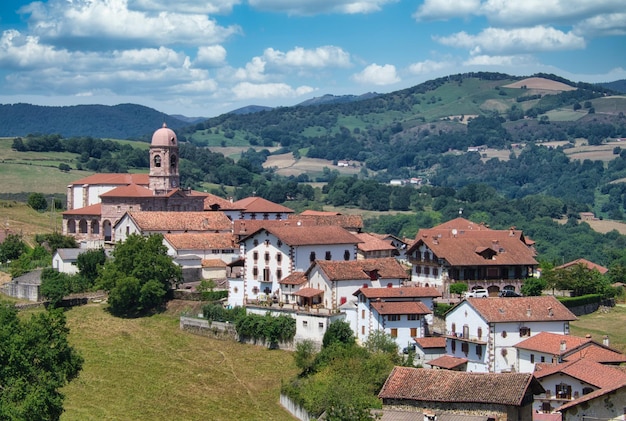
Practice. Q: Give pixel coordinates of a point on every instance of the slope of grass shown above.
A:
(600, 323)
(148, 369)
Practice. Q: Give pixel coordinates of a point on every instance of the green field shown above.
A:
(148, 369)
(600, 323)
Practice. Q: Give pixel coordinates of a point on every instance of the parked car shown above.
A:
(477, 293)
(509, 293)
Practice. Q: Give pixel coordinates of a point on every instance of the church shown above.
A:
(96, 203)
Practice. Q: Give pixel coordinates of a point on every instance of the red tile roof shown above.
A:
(401, 292)
(341, 270)
(619, 384)
(216, 203)
(294, 278)
(591, 372)
(586, 263)
(201, 241)
(94, 210)
(181, 221)
(131, 190)
(475, 245)
(308, 292)
(550, 343)
(213, 263)
(114, 179)
(260, 205)
(349, 222)
(431, 342)
(598, 353)
(448, 362)
(520, 309)
(424, 385)
(372, 243)
(307, 236)
(401, 307)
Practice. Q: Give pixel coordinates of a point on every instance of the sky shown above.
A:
(205, 58)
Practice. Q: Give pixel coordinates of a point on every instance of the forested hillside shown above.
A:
(124, 121)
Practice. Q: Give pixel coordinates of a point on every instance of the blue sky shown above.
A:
(205, 58)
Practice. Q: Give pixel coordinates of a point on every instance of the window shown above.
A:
(413, 332)
(393, 317)
(543, 359)
(435, 272)
(320, 325)
(266, 216)
(587, 390)
(479, 351)
(453, 346)
(427, 271)
(453, 328)
(362, 314)
(279, 243)
(532, 358)
(546, 407)
(465, 347)
(328, 256)
(412, 317)
(479, 332)
(394, 333)
(504, 333)
(255, 256)
(173, 161)
(305, 323)
(267, 243)
(279, 274)
(267, 257)
(362, 330)
(255, 243)
(418, 270)
(266, 275)
(279, 257)
(255, 272)
(524, 331)
(563, 391)
(157, 160)
(312, 256)
(346, 255)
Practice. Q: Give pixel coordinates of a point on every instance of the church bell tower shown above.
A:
(164, 175)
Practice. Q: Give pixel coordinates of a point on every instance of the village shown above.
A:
(500, 356)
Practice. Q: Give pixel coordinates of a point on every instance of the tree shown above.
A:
(64, 167)
(458, 288)
(379, 341)
(338, 331)
(139, 275)
(304, 356)
(37, 361)
(533, 286)
(89, 262)
(12, 248)
(37, 201)
(54, 286)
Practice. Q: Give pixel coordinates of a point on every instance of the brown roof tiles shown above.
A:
(586, 263)
(401, 292)
(521, 309)
(401, 307)
(304, 236)
(431, 342)
(372, 243)
(294, 278)
(260, 205)
(419, 384)
(94, 210)
(181, 221)
(340, 270)
(591, 372)
(201, 241)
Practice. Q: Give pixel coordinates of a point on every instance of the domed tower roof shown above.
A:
(164, 137)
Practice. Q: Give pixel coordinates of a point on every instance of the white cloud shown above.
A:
(446, 9)
(254, 71)
(520, 40)
(314, 7)
(603, 25)
(247, 91)
(211, 55)
(109, 20)
(428, 66)
(504, 61)
(377, 75)
(532, 12)
(326, 56)
(22, 51)
(186, 6)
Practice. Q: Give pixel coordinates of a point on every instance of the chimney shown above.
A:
(605, 340)
(528, 312)
(429, 416)
(550, 312)
(563, 346)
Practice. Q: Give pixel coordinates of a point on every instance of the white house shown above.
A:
(259, 208)
(64, 260)
(273, 253)
(607, 403)
(400, 312)
(552, 348)
(569, 381)
(338, 280)
(485, 330)
(429, 348)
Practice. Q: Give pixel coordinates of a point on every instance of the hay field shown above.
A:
(148, 369)
(539, 83)
(287, 165)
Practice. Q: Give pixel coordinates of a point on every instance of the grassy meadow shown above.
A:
(148, 369)
(600, 323)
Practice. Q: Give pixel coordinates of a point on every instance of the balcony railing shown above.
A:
(467, 338)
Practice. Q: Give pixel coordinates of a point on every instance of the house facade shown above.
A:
(272, 254)
(404, 313)
(463, 251)
(485, 330)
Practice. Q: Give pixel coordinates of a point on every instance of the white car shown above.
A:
(477, 293)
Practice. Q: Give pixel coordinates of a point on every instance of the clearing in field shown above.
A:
(542, 84)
